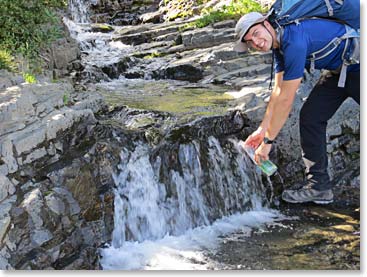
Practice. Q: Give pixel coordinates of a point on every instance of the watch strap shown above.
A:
(268, 141)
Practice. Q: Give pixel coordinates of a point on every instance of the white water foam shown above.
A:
(156, 231)
(187, 251)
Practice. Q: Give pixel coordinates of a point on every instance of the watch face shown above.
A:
(268, 141)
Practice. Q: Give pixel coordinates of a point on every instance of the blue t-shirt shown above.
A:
(300, 40)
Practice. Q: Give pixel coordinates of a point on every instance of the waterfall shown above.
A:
(79, 10)
(188, 212)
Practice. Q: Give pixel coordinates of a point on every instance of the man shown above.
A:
(291, 54)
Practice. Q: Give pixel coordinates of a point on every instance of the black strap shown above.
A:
(272, 71)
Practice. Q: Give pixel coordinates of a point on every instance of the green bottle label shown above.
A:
(266, 166)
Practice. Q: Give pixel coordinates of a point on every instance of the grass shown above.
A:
(27, 26)
(233, 11)
(29, 78)
(7, 61)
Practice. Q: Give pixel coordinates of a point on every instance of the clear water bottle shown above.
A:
(266, 166)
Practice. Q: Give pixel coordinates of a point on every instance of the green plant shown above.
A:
(235, 10)
(66, 98)
(7, 61)
(28, 25)
(29, 78)
(153, 55)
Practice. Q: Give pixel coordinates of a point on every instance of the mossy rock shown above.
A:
(103, 28)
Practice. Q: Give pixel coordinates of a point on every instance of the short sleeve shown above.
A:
(294, 54)
(291, 57)
(278, 61)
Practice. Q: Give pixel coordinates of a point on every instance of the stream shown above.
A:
(202, 204)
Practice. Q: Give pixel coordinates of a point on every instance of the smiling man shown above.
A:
(292, 52)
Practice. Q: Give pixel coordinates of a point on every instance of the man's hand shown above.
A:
(262, 153)
(255, 138)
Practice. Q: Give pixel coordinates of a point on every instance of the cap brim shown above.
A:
(240, 46)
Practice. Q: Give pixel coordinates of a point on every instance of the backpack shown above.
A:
(284, 12)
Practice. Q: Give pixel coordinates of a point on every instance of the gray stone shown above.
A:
(40, 236)
(92, 101)
(4, 169)
(225, 24)
(6, 205)
(28, 139)
(4, 256)
(73, 205)
(7, 155)
(6, 188)
(33, 203)
(62, 120)
(353, 124)
(28, 185)
(335, 131)
(54, 253)
(4, 224)
(51, 150)
(55, 204)
(16, 106)
(58, 146)
(356, 181)
(35, 155)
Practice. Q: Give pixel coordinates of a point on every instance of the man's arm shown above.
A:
(275, 93)
(282, 105)
(256, 138)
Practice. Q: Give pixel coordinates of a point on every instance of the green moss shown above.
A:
(234, 11)
(153, 55)
(102, 27)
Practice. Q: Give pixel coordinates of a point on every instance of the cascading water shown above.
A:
(79, 10)
(171, 222)
(157, 229)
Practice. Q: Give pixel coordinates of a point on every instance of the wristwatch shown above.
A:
(268, 141)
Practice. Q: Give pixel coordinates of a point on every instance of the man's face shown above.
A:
(258, 38)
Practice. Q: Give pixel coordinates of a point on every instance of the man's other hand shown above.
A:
(262, 153)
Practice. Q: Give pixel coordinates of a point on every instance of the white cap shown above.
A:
(243, 25)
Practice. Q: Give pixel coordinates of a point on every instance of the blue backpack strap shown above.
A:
(329, 8)
(331, 46)
(348, 60)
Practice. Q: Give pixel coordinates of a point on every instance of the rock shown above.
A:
(225, 24)
(103, 28)
(33, 203)
(6, 188)
(74, 208)
(62, 54)
(35, 155)
(55, 204)
(205, 37)
(28, 139)
(40, 236)
(183, 72)
(4, 225)
(6, 205)
(154, 17)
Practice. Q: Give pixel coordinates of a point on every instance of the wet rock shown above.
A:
(183, 72)
(103, 28)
